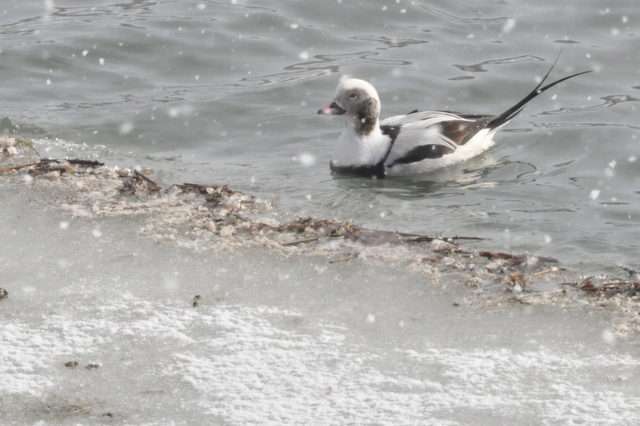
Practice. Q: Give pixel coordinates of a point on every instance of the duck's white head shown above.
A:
(358, 101)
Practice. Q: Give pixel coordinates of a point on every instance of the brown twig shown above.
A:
(519, 258)
(86, 163)
(155, 186)
(45, 162)
(546, 271)
(606, 286)
(22, 166)
(295, 243)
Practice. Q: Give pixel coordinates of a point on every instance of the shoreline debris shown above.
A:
(213, 216)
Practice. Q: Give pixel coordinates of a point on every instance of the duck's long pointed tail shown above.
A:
(515, 110)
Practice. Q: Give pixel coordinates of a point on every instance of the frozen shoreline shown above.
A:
(215, 217)
(292, 324)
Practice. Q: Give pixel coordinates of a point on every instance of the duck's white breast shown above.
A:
(354, 149)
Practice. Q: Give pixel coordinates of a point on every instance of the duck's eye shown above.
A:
(353, 95)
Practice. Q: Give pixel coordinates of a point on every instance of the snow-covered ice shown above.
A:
(275, 338)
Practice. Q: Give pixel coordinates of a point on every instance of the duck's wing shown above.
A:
(429, 135)
(425, 135)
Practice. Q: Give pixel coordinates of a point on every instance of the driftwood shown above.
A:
(517, 259)
(350, 231)
(47, 165)
(606, 286)
(86, 163)
(514, 259)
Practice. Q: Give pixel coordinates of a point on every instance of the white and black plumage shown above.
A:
(413, 143)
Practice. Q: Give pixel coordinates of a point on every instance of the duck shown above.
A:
(417, 142)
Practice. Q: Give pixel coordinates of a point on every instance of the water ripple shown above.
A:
(388, 41)
(479, 67)
(609, 101)
(464, 20)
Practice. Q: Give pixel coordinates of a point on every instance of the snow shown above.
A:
(229, 331)
(306, 159)
(252, 365)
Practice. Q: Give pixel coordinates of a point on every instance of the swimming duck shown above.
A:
(413, 143)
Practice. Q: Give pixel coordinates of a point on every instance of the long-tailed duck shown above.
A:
(413, 143)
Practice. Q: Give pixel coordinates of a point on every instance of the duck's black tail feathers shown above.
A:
(515, 110)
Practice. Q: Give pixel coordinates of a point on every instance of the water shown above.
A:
(227, 92)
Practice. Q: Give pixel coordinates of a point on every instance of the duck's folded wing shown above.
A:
(420, 118)
(429, 135)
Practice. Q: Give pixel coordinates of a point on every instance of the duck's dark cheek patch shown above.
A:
(367, 114)
(367, 125)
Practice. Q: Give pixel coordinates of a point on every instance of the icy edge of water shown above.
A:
(214, 217)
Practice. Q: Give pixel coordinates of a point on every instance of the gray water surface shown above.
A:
(227, 92)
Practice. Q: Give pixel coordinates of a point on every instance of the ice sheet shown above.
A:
(276, 337)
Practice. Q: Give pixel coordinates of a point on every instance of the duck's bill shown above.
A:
(332, 109)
